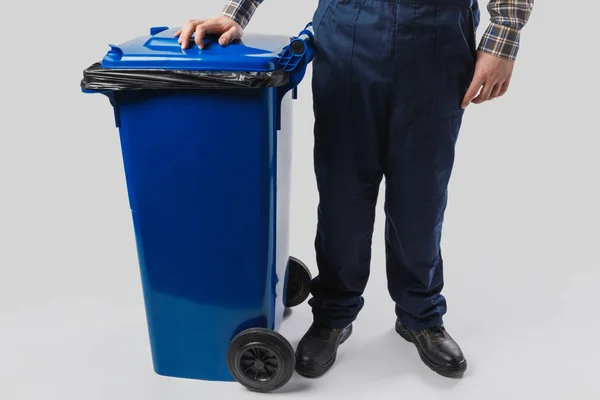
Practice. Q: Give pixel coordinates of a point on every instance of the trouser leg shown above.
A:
(434, 63)
(351, 92)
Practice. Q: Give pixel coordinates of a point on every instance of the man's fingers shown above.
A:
(504, 88)
(199, 38)
(204, 28)
(486, 91)
(492, 75)
(228, 36)
(496, 91)
(186, 33)
(222, 26)
(472, 92)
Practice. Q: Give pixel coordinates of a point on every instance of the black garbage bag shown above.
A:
(97, 78)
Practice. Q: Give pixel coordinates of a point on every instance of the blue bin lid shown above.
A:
(160, 50)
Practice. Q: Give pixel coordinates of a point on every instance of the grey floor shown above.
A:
(528, 326)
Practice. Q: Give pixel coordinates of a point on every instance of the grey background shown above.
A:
(520, 239)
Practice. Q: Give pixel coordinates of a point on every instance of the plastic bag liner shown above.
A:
(109, 79)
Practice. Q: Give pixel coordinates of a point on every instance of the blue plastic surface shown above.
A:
(210, 198)
(204, 197)
(160, 50)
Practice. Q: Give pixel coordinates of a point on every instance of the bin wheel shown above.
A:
(298, 285)
(261, 360)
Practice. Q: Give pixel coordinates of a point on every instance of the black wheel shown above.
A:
(298, 284)
(261, 359)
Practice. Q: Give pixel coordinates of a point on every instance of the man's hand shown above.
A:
(492, 76)
(226, 28)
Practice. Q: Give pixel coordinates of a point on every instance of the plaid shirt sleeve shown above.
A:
(241, 11)
(508, 17)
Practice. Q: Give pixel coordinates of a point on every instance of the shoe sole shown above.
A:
(447, 371)
(315, 371)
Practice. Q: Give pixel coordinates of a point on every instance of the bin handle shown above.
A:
(294, 58)
(299, 52)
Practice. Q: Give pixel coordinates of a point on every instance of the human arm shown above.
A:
(498, 49)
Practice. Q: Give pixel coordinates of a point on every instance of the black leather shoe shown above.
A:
(437, 349)
(317, 350)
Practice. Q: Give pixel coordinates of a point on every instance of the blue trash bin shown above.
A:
(206, 141)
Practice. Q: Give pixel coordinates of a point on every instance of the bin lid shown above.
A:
(160, 50)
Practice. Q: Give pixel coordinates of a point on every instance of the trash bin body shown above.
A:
(208, 180)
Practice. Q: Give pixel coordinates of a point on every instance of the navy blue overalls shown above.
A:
(388, 80)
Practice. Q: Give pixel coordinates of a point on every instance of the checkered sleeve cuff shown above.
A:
(241, 11)
(501, 41)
